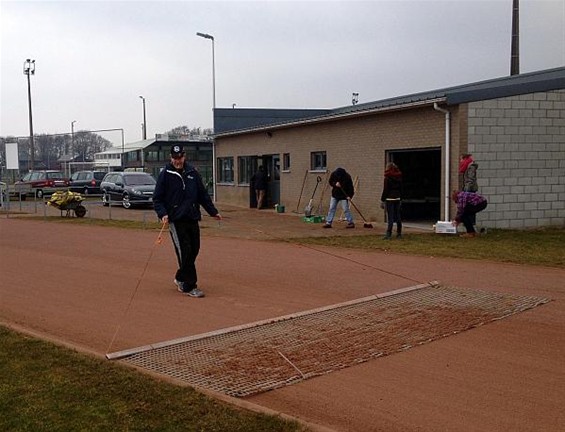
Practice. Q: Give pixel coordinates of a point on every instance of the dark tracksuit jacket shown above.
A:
(179, 195)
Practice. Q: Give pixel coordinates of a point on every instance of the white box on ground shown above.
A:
(442, 227)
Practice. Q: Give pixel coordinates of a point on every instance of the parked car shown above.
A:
(86, 182)
(129, 188)
(40, 183)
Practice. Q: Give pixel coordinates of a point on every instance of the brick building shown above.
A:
(514, 127)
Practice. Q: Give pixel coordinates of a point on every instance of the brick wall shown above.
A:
(357, 144)
(519, 144)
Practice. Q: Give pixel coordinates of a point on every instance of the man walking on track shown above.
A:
(179, 193)
(342, 191)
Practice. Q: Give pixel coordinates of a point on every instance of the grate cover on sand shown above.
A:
(275, 353)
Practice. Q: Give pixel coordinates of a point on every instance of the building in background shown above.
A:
(514, 126)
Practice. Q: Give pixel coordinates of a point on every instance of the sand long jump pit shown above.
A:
(253, 358)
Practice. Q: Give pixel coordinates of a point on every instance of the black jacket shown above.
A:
(259, 180)
(344, 179)
(180, 195)
(392, 188)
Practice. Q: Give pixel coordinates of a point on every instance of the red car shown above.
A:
(40, 183)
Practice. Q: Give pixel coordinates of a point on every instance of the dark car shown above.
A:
(86, 182)
(40, 183)
(129, 188)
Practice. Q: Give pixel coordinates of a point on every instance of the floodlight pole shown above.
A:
(208, 36)
(29, 69)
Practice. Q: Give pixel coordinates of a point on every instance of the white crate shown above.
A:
(442, 227)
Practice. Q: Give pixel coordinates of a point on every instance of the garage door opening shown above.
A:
(421, 172)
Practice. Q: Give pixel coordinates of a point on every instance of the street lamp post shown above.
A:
(144, 129)
(72, 152)
(207, 36)
(29, 69)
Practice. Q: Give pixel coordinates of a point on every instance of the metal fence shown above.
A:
(13, 204)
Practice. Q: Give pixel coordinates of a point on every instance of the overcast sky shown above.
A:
(95, 58)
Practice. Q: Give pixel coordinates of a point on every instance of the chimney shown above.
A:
(515, 55)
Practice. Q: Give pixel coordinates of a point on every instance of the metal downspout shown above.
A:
(447, 159)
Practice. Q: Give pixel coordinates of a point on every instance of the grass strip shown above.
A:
(45, 387)
(542, 247)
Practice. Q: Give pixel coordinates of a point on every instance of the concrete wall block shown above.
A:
(493, 199)
(504, 103)
(483, 112)
(544, 205)
(531, 206)
(475, 121)
(530, 223)
(516, 206)
(525, 197)
(490, 121)
(544, 105)
(527, 175)
(518, 104)
(531, 189)
(510, 181)
(488, 190)
(526, 113)
(544, 221)
(538, 180)
(525, 130)
(540, 96)
(516, 223)
(560, 188)
(516, 190)
(532, 104)
(540, 130)
(544, 121)
(491, 103)
(550, 197)
(523, 215)
(558, 205)
(497, 130)
(508, 198)
(544, 188)
(552, 180)
(552, 113)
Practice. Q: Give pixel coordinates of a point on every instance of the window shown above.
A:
(244, 169)
(318, 161)
(152, 155)
(286, 161)
(225, 170)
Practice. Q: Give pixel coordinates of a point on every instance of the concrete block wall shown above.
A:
(519, 144)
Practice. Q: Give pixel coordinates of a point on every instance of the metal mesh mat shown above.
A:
(275, 354)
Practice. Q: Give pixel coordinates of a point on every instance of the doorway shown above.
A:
(421, 174)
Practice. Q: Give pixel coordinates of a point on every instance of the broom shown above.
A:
(365, 223)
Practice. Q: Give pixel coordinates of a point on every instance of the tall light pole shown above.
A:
(144, 129)
(72, 152)
(29, 69)
(73, 137)
(207, 36)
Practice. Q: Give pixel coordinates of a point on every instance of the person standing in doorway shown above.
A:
(259, 182)
(342, 191)
(178, 195)
(391, 199)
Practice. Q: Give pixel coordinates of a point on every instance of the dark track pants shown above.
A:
(186, 240)
(469, 215)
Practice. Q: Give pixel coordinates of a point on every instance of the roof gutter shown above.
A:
(447, 159)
